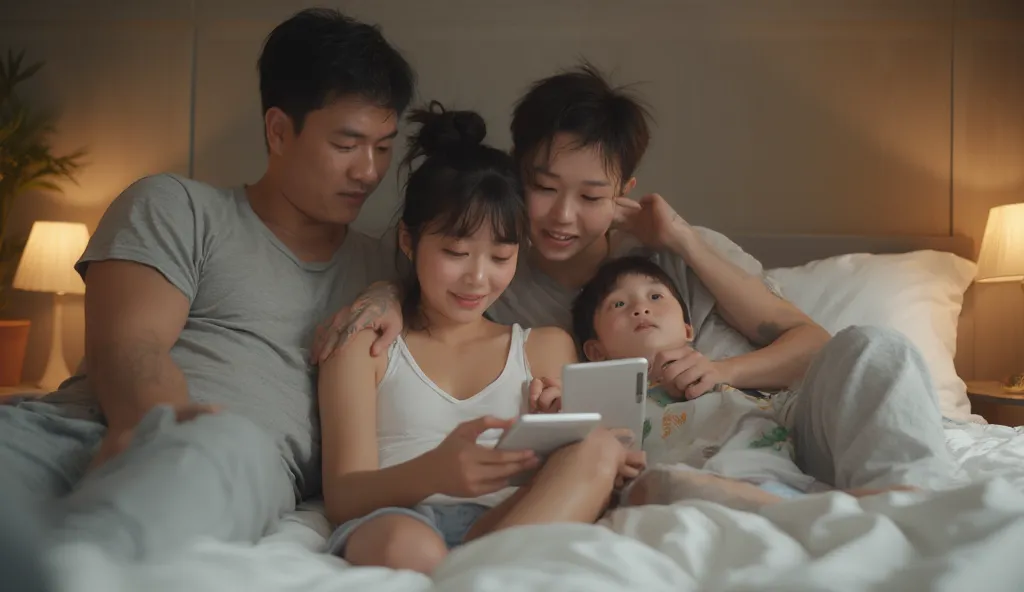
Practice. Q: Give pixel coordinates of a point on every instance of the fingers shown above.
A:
(555, 405)
(628, 204)
(636, 458)
(625, 210)
(690, 376)
(650, 198)
(473, 428)
(681, 373)
(335, 334)
(671, 381)
(551, 382)
(629, 471)
(507, 463)
(663, 359)
(702, 387)
(331, 343)
(388, 334)
(624, 435)
(550, 400)
(536, 388)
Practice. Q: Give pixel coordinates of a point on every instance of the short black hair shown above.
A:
(584, 308)
(320, 55)
(460, 185)
(581, 102)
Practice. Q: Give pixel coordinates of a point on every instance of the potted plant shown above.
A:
(27, 162)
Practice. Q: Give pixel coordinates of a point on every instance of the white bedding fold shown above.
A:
(963, 539)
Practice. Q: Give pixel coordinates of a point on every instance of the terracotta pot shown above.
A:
(13, 341)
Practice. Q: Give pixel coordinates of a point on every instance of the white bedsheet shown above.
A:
(966, 539)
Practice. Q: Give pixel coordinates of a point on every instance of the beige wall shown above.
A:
(805, 116)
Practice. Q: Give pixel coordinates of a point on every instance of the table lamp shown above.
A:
(1002, 257)
(48, 265)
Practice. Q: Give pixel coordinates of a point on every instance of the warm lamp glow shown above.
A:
(1002, 248)
(48, 262)
(48, 265)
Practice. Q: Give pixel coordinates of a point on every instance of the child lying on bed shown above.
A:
(409, 465)
(631, 309)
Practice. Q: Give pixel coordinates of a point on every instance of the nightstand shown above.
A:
(24, 389)
(995, 404)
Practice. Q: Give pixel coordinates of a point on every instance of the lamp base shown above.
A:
(56, 370)
(1014, 384)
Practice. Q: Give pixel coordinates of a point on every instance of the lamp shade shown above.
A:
(1002, 248)
(48, 262)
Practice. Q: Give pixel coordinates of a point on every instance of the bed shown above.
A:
(963, 539)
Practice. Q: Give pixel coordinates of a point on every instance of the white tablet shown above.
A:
(616, 389)
(544, 434)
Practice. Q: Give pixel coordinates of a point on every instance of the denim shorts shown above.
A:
(450, 522)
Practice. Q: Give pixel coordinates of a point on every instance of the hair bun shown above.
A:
(444, 131)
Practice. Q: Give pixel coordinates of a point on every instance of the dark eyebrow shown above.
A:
(593, 183)
(358, 135)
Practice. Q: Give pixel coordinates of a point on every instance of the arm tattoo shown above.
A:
(768, 332)
(373, 305)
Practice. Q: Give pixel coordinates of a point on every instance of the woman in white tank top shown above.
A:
(409, 468)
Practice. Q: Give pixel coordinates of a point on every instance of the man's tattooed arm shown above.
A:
(378, 309)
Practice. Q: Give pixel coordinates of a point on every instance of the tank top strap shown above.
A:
(517, 349)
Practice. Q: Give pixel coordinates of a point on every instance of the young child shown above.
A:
(631, 308)
(409, 468)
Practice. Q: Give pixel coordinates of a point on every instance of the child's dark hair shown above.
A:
(320, 55)
(582, 103)
(584, 308)
(460, 185)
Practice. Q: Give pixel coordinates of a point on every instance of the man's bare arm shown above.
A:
(789, 338)
(133, 316)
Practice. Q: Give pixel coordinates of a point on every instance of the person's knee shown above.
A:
(396, 542)
(598, 456)
(871, 345)
(868, 339)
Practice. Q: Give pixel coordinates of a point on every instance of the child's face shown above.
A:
(461, 277)
(639, 318)
(571, 201)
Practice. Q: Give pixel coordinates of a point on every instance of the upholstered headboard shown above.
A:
(785, 250)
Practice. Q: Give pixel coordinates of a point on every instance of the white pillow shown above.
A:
(918, 293)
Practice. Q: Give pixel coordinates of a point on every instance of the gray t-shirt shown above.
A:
(254, 305)
(534, 299)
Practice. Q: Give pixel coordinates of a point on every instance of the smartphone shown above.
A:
(544, 434)
(614, 389)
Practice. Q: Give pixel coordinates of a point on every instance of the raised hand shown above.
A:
(463, 468)
(652, 221)
(545, 395)
(686, 373)
(634, 462)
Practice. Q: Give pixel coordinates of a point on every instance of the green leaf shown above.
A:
(27, 158)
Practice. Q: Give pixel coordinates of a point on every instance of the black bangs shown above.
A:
(490, 201)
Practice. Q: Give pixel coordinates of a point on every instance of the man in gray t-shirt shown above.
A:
(195, 405)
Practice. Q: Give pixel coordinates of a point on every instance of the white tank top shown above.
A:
(414, 414)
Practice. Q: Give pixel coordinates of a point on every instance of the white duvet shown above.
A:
(966, 539)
